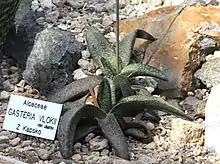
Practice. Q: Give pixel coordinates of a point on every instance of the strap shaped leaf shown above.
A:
(113, 132)
(127, 44)
(113, 91)
(143, 70)
(74, 90)
(68, 123)
(133, 105)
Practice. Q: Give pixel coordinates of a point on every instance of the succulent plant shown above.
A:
(116, 99)
(104, 53)
(108, 117)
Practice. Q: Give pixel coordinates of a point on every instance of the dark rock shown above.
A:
(193, 106)
(52, 60)
(7, 14)
(20, 38)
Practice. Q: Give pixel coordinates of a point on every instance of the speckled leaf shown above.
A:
(75, 90)
(113, 132)
(99, 46)
(127, 44)
(68, 123)
(113, 91)
(104, 95)
(143, 70)
(107, 68)
(133, 105)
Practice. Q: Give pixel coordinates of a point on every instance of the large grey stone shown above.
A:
(52, 60)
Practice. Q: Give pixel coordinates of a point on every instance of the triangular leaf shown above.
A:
(127, 44)
(143, 70)
(68, 123)
(133, 105)
(104, 95)
(107, 68)
(99, 46)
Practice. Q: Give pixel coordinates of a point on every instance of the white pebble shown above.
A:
(79, 74)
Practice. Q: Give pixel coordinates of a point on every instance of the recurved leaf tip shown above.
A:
(133, 105)
(68, 124)
(127, 44)
(143, 70)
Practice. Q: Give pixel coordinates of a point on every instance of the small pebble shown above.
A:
(4, 95)
(89, 137)
(15, 141)
(26, 143)
(76, 157)
(43, 154)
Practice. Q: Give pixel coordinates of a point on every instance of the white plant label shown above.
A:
(32, 117)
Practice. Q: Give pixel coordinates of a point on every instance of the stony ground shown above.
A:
(94, 149)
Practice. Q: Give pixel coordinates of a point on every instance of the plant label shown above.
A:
(32, 117)
(212, 120)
